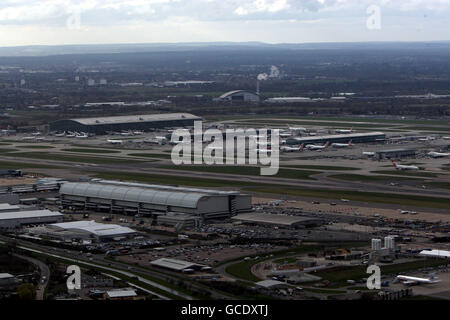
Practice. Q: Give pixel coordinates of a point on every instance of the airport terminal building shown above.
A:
(340, 138)
(129, 198)
(116, 124)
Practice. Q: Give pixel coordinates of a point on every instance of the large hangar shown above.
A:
(239, 95)
(136, 122)
(147, 199)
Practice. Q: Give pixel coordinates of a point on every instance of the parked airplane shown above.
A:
(369, 154)
(285, 134)
(427, 139)
(415, 280)
(438, 154)
(60, 134)
(114, 141)
(344, 130)
(82, 136)
(292, 149)
(404, 167)
(342, 145)
(28, 138)
(296, 128)
(317, 147)
(36, 134)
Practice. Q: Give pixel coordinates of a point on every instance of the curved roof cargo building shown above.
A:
(135, 122)
(239, 95)
(146, 199)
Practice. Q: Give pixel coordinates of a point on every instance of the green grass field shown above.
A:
(441, 185)
(342, 274)
(336, 125)
(366, 178)
(324, 168)
(407, 173)
(80, 150)
(36, 147)
(69, 158)
(399, 199)
(20, 165)
(173, 180)
(242, 269)
(151, 155)
(420, 201)
(246, 170)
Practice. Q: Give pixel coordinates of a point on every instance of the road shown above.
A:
(114, 266)
(45, 275)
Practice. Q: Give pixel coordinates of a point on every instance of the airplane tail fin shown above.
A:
(394, 163)
(350, 143)
(327, 144)
(301, 147)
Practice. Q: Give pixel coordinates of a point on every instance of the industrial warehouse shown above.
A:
(340, 138)
(145, 199)
(83, 230)
(12, 220)
(293, 222)
(112, 124)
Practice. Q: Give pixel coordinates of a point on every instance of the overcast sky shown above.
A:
(51, 22)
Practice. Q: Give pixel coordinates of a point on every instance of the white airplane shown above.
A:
(446, 138)
(36, 134)
(316, 147)
(60, 134)
(28, 138)
(81, 136)
(415, 280)
(296, 128)
(404, 167)
(342, 145)
(114, 141)
(285, 134)
(71, 135)
(138, 132)
(344, 130)
(291, 149)
(438, 154)
(368, 153)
